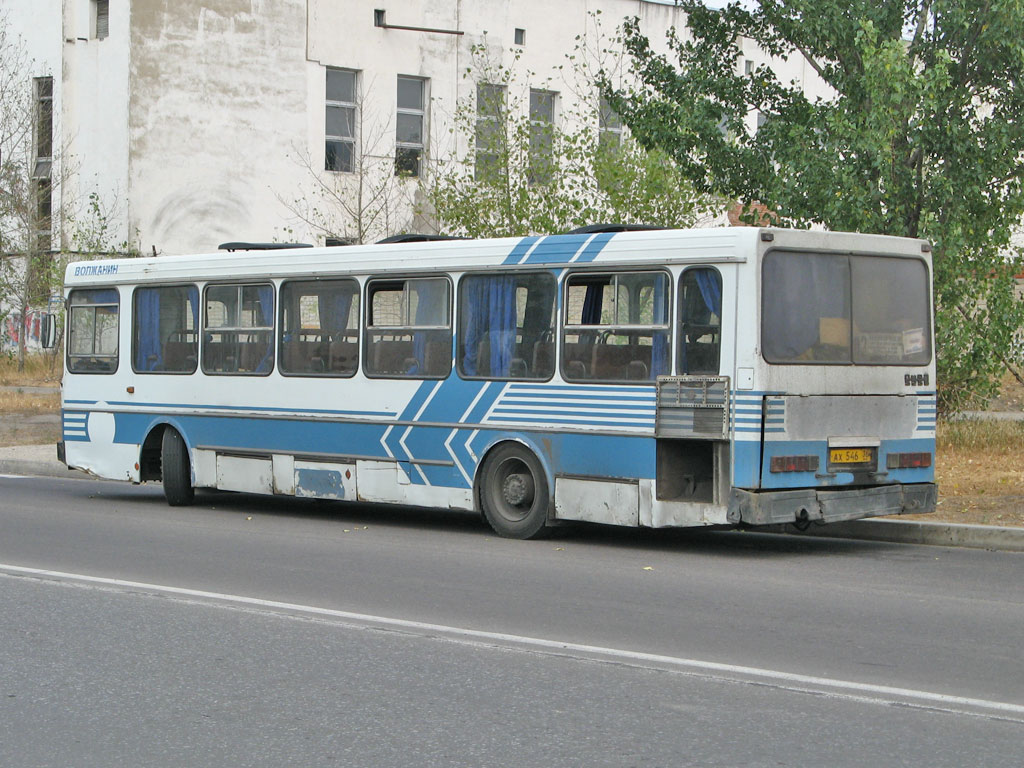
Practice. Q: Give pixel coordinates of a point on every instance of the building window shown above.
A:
(609, 126)
(409, 125)
(42, 167)
(490, 119)
(520, 36)
(101, 18)
(340, 122)
(542, 126)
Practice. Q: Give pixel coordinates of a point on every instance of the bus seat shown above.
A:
(343, 356)
(610, 361)
(437, 358)
(392, 356)
(483, 357)
(543, 358)
(575, 369)
(176, 354)
(637, 370)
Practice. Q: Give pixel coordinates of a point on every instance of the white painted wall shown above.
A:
(193, 117)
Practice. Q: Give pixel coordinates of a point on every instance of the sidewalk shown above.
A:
(41, 461)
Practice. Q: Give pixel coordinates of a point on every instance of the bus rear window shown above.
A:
(92, 330)
(840, 309)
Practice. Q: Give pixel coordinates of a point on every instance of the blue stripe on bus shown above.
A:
(567, 453)
(521, 249)
(254, 409)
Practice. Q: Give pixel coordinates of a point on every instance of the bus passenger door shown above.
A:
(693, 418)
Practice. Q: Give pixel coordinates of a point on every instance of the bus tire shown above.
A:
(175, 469)
(514, 493)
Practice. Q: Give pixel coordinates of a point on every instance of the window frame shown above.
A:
(461, 325)
(541, 164)
(353, 105)
(567, 328)
(135, 327)
(376, 283)
(421, 113)
(101, 19)
(680, 337)
(281, 330)
(71, 306)
(850, 361)
(206, 329)
(487, 159)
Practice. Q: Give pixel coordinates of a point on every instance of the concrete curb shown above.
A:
(939, 534)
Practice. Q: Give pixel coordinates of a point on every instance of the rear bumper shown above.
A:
(830, 506)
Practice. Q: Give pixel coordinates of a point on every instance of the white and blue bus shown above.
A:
(733, 376)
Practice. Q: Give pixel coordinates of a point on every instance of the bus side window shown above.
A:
(506, 325)
(408, 330)
(93, 330)
(700, 321)
(238, 330)
(319, 327)
(616, 327)
(165, 324)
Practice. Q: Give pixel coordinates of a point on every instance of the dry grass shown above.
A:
(40, 370)
(979, 466)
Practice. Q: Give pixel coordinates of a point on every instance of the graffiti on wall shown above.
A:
(14, 327)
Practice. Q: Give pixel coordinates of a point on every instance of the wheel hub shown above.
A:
(517, 489)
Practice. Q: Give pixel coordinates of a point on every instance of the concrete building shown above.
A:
(203, 121)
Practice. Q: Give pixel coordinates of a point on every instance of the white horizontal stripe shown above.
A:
(849, 689)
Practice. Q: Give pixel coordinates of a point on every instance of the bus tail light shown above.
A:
(908, 460)
(794, 464)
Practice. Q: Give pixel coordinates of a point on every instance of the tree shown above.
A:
(30, 178)
(43, 224)
(512, 170)
(922, 136)
(364, 202)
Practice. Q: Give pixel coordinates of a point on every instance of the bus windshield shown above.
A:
(844, 309)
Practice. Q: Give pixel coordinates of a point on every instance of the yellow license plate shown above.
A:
(850, 455)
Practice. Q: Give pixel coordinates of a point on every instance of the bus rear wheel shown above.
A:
(514, 493)
(176, 471)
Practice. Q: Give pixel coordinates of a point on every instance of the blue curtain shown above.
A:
(103, 296)
(502, 322)
(592, 303)
(474, 309)
(149, 352)
(334, 311)
(193, 300)
(659, 349)
(265, 300)
(710, 289)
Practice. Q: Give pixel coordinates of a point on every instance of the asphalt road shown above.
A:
(254, 631)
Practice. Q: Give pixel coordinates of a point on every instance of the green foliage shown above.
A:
(922, 135)
(513, 173)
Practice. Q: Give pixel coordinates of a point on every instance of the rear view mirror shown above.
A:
(48, 331)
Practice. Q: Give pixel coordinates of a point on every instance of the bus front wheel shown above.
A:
(176, 470)
(514, 493)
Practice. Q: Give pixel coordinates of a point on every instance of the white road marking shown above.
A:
(845, 689)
